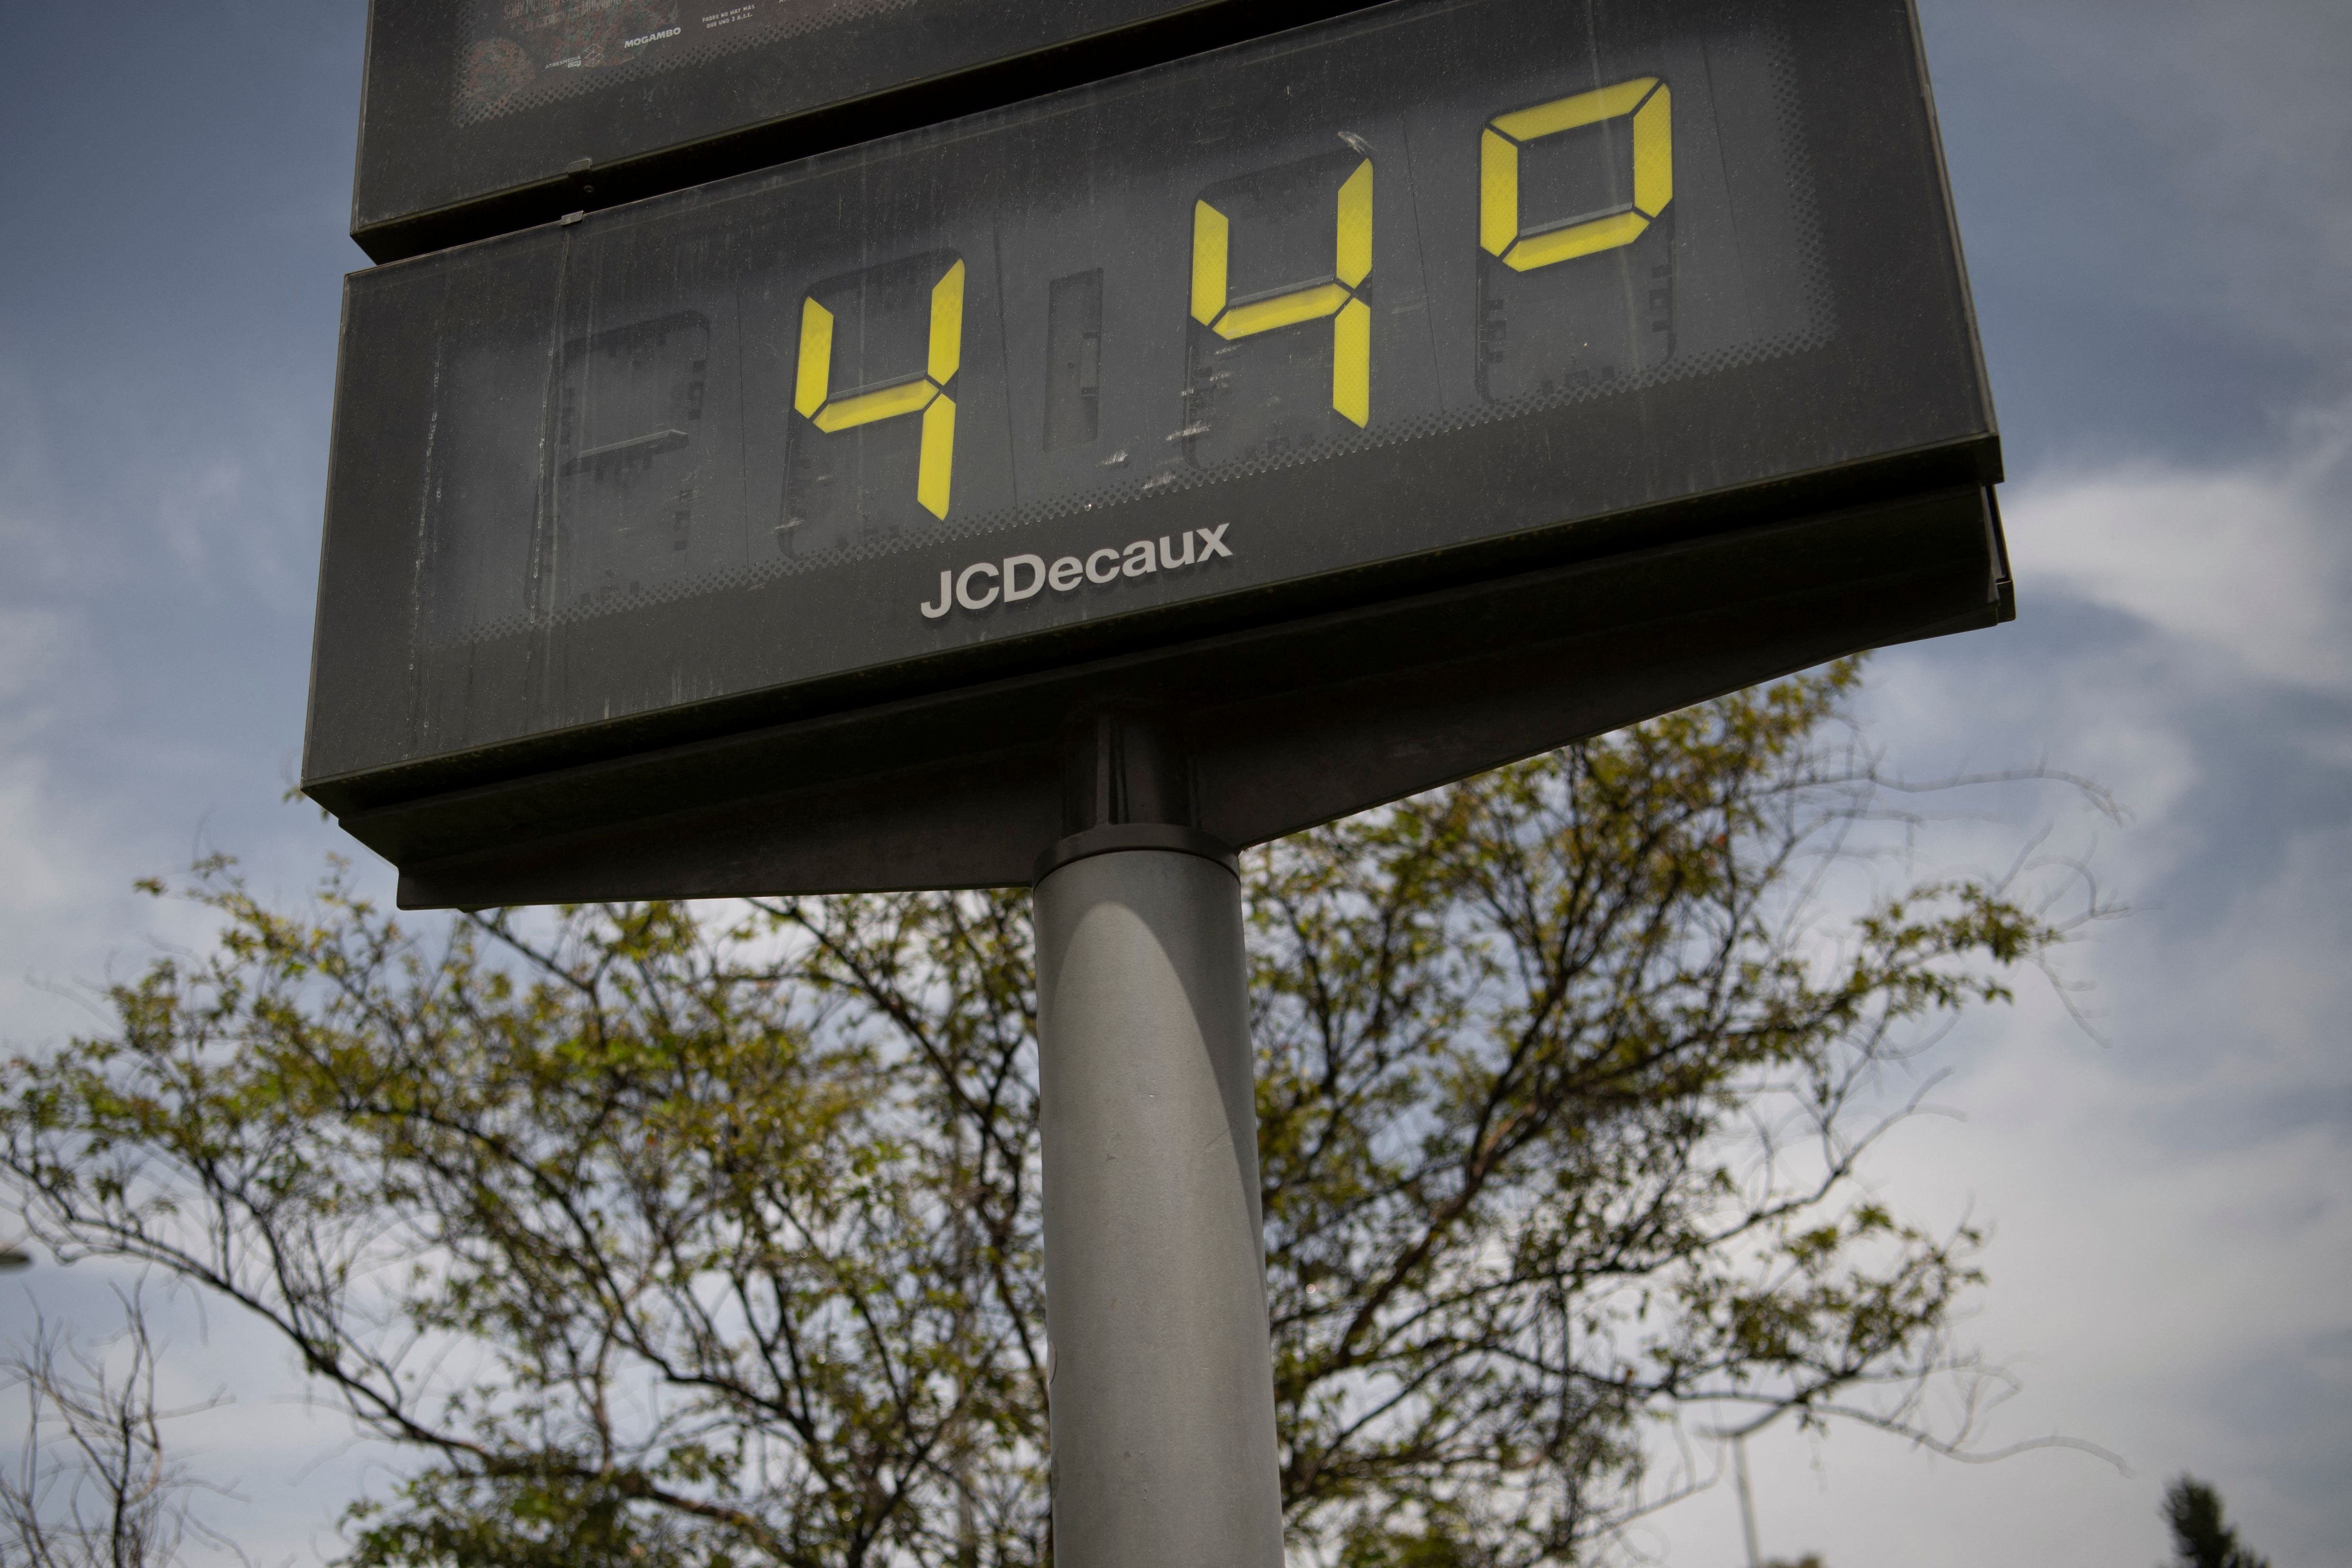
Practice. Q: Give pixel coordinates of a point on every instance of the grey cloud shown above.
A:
(2156, 199)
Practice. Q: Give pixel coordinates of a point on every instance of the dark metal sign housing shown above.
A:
(1378, 402)
(485, 115)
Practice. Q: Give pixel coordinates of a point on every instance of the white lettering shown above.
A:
(650, 37)
(1020, 577)
(964, 595)
(947, 598)
(1012, 590)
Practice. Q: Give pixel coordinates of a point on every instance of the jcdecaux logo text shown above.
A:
(1019, 576)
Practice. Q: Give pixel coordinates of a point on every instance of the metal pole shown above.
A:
(1162, 1382)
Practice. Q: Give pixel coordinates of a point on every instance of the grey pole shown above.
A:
(1163, 1383)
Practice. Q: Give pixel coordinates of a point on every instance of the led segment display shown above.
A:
(1431, 275)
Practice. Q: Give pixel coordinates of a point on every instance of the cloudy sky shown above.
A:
(2157, 200)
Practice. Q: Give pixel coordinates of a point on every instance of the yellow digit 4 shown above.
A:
(1525, 249)
(1351, 327)
(924, 394)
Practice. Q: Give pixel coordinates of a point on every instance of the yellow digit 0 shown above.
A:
(1523, 249)
(924, 394)
(1352, 325)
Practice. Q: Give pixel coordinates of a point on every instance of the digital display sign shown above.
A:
(483, 116)
(1374, 307)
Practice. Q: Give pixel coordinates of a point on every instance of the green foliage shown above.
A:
(664, 1234)
(516, 1521)
(2193, 1511)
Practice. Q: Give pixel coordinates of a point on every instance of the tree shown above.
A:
(711, 1235)
(2192, 1509)
(93, 1486)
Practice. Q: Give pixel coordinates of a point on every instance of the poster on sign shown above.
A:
(484, 116)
